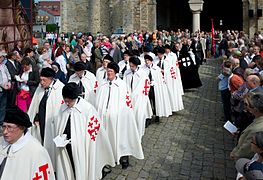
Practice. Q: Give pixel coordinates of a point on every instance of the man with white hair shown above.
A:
(236, 69)
(254, 84)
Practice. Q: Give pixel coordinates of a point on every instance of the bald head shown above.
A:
(253, 81)
(235, 62)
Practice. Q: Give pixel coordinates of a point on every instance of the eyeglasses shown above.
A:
(9, 128)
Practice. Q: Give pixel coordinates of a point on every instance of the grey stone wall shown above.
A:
(107, 15)
(74, 16)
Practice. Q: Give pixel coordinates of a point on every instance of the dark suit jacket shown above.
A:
(239, 71)
(116, 55)
(33, 81)
(12, 70)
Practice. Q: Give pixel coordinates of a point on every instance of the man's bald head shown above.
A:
(253, 81)
(235, 62)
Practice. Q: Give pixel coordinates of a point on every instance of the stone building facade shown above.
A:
(252, 16)
(107, 15)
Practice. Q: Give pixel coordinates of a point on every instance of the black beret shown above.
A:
(167, 46)
(160, 50)
(148, 57)
(114, 66)
(128, 53)
(15, 115)
(47, 72)
(108, 57)
(80, 66)
(134, 60)
(146, 49)
(71, 90)
(55, 64)
(136, 52)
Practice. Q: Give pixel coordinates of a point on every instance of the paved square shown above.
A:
(191, 144)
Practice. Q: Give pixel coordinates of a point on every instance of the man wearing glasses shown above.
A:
(21, 155)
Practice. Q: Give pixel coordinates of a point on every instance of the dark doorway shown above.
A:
(230, 12)
(174, 14)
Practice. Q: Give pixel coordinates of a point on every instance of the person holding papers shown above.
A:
(254, 104)
(82, 145)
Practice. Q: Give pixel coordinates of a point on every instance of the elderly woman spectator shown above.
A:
(254, 104)
(47, 60)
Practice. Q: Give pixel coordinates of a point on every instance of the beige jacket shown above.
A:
(243, 150)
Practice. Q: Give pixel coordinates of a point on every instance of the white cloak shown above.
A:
(89, 83)
(119, 120)
(162, 101)
(100, 73)
(54, 102)
(149, 53)
(139, 96)
(27, 159)
(91, 148)
(175, 95)
(122, 65)
(175, 64)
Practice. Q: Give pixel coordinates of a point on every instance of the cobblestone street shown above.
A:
(191, 144)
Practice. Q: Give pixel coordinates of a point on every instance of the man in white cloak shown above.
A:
(86, 81)
(114, 106)
(124, 64)
(87, 148)
(168, 70)
(21, 155)
(175, 64)
(44, 109)
(146, 51)
(158, 93)
(138, 85)
(102, 71)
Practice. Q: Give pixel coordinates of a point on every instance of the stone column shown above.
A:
(196, 20)
(152, 15)
(245, 16)
(128, 16)
(144, 15)
(94, 16)
(196, 7)
(106, 9)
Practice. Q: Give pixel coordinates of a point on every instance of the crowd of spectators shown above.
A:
(240, 82)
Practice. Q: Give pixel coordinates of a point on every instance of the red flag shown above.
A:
(213, 38)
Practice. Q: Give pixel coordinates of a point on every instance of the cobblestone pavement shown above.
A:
(191, 144)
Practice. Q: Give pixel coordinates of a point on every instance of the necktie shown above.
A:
(131, 81)
(125, 68)
(42, 113)
(150, 76)
(82, 89)
(46, 93)
(159, 63)
(4, 162)
(108, 96)
(104, 76)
